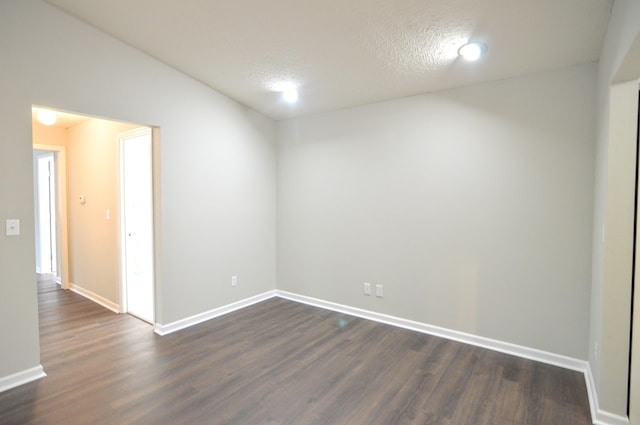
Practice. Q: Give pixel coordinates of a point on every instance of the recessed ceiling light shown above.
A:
(472, 51)
(47, 117)
(290, 94)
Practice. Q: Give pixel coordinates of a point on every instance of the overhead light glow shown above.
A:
(47, 117)
(290, 94)
(472, 51)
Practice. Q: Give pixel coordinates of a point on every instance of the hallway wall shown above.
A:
(93, 172)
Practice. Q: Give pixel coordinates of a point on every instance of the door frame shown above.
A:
(633, 385)
(60, 158)
(124, 308)
(51, 227)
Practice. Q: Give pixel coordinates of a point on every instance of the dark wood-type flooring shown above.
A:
(47, 283)
(277, 362)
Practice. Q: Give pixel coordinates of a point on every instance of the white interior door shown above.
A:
(137, 223)
(46, 252)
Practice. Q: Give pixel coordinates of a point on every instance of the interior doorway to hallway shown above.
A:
(47, 200)
(49, 169)
(45, 208)
(90, 259)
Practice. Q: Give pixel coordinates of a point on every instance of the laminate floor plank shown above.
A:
(277, 363)
(47, 282)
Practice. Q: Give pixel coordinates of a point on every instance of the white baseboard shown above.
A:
(606, 418)
(207, 315)
(108, 304)
(600, 417)
(21, 378)
(478, 341)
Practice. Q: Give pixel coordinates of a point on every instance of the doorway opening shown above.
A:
(46, 220)
(46, 255)
(92, 163)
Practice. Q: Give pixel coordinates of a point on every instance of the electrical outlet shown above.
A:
(379, 291)
(367, 288)
(234, 280)
(595, 350)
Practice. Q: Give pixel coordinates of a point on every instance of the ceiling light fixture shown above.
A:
(290, 94)
(47, 117)
(472, 51)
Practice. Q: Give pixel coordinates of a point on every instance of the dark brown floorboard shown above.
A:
(47, 283)
(277, 362)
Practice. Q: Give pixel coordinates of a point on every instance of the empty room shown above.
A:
(356, 212)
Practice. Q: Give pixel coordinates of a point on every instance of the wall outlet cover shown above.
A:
(12, 227)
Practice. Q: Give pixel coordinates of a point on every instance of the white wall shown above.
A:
(471, 206)
(217, 168)
(613, 210)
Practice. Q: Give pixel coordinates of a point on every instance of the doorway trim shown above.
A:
(61, 207)
(633, 384)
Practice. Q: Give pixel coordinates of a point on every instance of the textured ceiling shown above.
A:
(344, 53)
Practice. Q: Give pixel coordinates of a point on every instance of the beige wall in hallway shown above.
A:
(46, 135)
(93, 172)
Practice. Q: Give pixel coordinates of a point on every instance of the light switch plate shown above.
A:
(13, 227)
